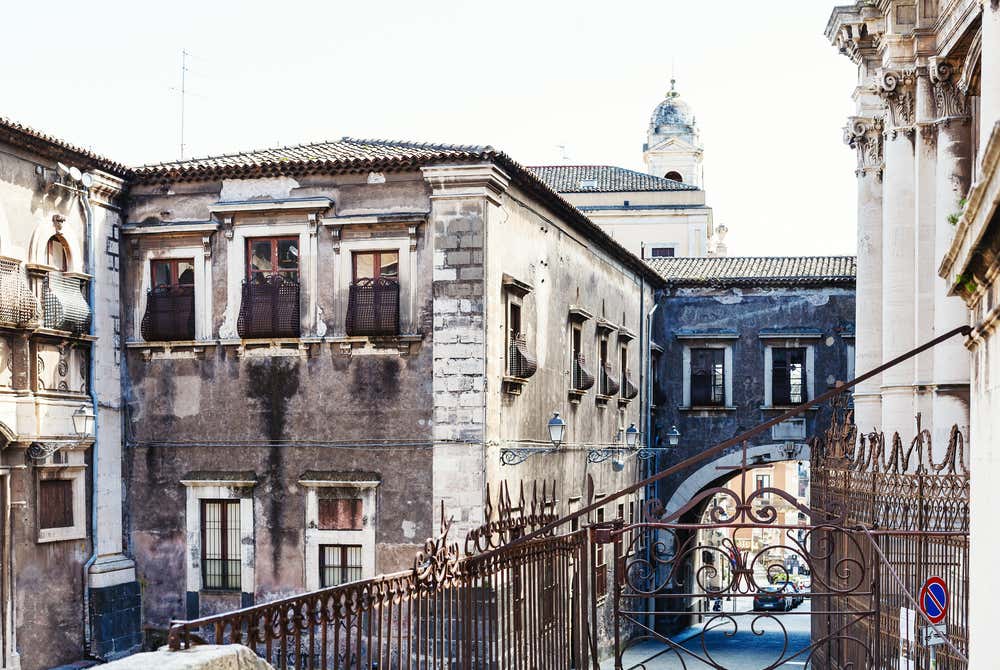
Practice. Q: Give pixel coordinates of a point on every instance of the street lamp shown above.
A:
(673, 436)
(557, 429)
(83, 421)
(631, 436)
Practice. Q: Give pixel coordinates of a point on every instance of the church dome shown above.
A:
(672, 115)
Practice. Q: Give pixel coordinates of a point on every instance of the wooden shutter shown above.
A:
(55, 503)
(340, 514)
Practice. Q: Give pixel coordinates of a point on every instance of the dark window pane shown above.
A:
(55, 503)
(708, 379)
(389, 264)
(185, 273)
(161, 273)
(662, 252)
(788, 376)
(364, 266)
(288, 254)
(260, 256)
(220, 544)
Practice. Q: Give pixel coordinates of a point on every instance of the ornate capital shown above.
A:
(950, 101)
(864, 135)
(898, 89)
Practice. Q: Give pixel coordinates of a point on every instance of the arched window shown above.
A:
(56, 254)
(673, 174)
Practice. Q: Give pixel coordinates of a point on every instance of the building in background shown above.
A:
(657, 214)
(66, 589)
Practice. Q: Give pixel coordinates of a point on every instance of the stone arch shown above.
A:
(6, 434)
(38, 246)
(703, 477)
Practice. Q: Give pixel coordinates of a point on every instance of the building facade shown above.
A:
(657, 214)
(328, 344)
(67, 588)
(737, 342)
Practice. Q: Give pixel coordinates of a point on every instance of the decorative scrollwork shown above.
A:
(439, 562)
(506, 521)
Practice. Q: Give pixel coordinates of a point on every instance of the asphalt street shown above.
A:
(744, 650)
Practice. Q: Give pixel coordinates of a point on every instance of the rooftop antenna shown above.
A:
(564, 154)
(184, 69)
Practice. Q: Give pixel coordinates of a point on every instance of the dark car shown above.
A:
(772, 598)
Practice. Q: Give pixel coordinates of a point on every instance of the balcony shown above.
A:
(582, 379)
(373, 307)
(629, 390)
(609, 385)
(18, 305)
(269, 308)
(169, 314)
(521, 365)
(65, 307)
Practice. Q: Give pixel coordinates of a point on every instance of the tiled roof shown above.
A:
(756, 271)
(602, 179)
(36, 140)
(340, 155)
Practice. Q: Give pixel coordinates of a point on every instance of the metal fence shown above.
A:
(169, 314)
(373, 307)
(269, 308)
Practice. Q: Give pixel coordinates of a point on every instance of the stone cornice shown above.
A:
(465, 181)
(854, 29)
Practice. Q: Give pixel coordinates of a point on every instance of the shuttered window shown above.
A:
(341, 514)
(788, 376)
(708, 377)
(55, 503)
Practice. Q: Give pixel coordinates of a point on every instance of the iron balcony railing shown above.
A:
(65, 306)
(373, 307)
(520, 362)
(582, 378)
(629, 389)
(609, 385)
(169, 314)
(18, 305)
(269, 308)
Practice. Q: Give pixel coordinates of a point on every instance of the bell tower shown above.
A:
(673, 148)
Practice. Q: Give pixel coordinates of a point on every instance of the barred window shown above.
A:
(220, 545)
(339, 564)
(788, 376)
(272, 256)
(708, 377)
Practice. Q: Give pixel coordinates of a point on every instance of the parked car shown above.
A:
(772, 598)
(796, 592)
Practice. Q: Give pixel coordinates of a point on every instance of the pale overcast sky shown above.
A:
(770, 94)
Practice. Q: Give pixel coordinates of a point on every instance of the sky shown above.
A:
(546, 81)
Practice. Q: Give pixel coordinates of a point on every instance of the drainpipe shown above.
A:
(648, 388)
(91, 269)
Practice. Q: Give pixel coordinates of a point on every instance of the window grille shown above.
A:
(708, 383)
(65, 306)
(269, 307)
(373, 307)
(520, 363)
(609, 385)
(18, 305)
(220, 545)
(582, 378)
(339, 564)
(169, 314)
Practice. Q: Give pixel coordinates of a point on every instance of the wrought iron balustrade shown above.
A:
(609, 385)
(169, 314)
(582, 378)
(18, 305)
(630, 390)
(520, 362)
(373, 307)
(269, 308)
(65, 306)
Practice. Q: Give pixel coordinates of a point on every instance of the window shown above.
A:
(600, 564)
(763, 482)
(788, 376)
(662, 252)
(55, 503)
(674, 175)
(341, 514)
(708, 383)
(339, 564)
(56, 254)
(609, 385)
(221, 555)
(373, 297)
(272, 256)
(170, 311)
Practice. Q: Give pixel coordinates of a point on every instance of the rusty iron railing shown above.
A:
(169, 314)
(269, 307)
(373, 307)
(529, 589)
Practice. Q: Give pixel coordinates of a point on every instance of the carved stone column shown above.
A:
(989, 85)
(954, 169)
(864, 135)
(898, 90)
(924, 262)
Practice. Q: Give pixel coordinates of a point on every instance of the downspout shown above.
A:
(91, 269)
(648, 400)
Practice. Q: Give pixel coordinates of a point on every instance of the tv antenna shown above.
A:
(184, 69)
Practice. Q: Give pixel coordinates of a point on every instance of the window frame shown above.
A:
(786, 396)
(67, 261)
(809, 372)
(716, 391)
(332, 486)
(376, 255)
(275, 241)
(700, 341)
(174, 265)
(225, 528)
(74, 473)
(343, 566)
(155, 248)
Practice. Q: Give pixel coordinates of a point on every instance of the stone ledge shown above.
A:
(201, 657)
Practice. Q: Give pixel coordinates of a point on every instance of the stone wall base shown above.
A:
(202, 657)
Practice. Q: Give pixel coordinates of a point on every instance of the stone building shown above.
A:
(65, 586)
(659, 213)
(325, 343)
(927, 134)
(737, 341)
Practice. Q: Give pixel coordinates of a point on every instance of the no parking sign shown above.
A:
(934, 599)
